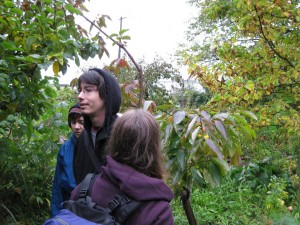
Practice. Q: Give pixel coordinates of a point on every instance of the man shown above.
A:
(100, 101)
(64, 181)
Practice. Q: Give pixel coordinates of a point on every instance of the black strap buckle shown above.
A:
(82, 193)
(126, 198)
(113, 204)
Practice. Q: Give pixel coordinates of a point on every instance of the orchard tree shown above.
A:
(34, 35)
(248, 57)
(155, 73)
(189, 96)
(245, 52)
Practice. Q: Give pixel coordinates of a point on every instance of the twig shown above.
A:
(270, 43)
(139, 69)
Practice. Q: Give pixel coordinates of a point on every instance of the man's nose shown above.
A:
(80, 95)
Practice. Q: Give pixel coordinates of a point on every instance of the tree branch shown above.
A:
(270, 43)
(139, 69)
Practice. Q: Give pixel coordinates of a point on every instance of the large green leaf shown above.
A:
(191, 125)
(179, 116)
(213, 146)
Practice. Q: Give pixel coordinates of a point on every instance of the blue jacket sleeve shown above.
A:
(66, 156)
(64, 181)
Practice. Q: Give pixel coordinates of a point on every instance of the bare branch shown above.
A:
(139, 69)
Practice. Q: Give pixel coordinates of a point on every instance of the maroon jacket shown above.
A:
(154, 193)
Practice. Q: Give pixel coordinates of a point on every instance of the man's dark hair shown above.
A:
(94, 78)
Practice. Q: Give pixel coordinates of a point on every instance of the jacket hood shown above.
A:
(136, 184)
(113, 98)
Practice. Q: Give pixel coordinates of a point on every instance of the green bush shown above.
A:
(28, 162)
(239, 201)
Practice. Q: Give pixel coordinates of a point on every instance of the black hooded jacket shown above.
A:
(82, 163)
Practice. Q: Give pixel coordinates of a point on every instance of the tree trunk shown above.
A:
(185, 199)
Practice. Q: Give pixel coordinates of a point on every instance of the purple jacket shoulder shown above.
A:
(153, 192)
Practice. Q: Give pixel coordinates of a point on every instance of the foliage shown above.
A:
(236, 202)
(27, 171)
(244, 53)
(154, 75)
(200, 147)
(247, 57)
(34, 35)
(188, 96)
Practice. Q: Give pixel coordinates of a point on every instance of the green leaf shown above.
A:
(126, 38)
(164, 107)
(72, 10)
(17, 11)
(211, 144)
(215, 173)
(197, 177)
(168, 131)
(221, 127)
(221, 116)
(50, 92)
(9, 4)
(113, 35)
(177, 177)
(195, 134)
(205, 115)
(240, 119)
(222, 164)
(83, 7)
(249, 114)
(250, 85)
(179, 116)
(123, 31)
(191, 125)
(181, 159)
(248, 132)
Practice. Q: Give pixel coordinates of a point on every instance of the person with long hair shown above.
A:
(135, 168)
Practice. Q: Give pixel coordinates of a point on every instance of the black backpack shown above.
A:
(85, 211)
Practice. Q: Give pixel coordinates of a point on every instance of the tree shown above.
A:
(155, 73)
(244, 53)
(248, 57)
(188, 96)
(34, 35)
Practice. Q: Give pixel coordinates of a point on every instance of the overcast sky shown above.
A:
(155, 27)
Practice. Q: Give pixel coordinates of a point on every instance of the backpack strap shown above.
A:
(90, 149)
(84, 190)
(122, 207)
(85, 186)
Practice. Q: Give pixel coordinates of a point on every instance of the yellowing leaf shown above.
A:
(55, 68)
(250, 85)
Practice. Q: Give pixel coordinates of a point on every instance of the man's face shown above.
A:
(77, 125)
(90, 102)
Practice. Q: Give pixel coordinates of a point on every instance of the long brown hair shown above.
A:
(135, 141)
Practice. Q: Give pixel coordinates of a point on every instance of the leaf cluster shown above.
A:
(201, 147)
